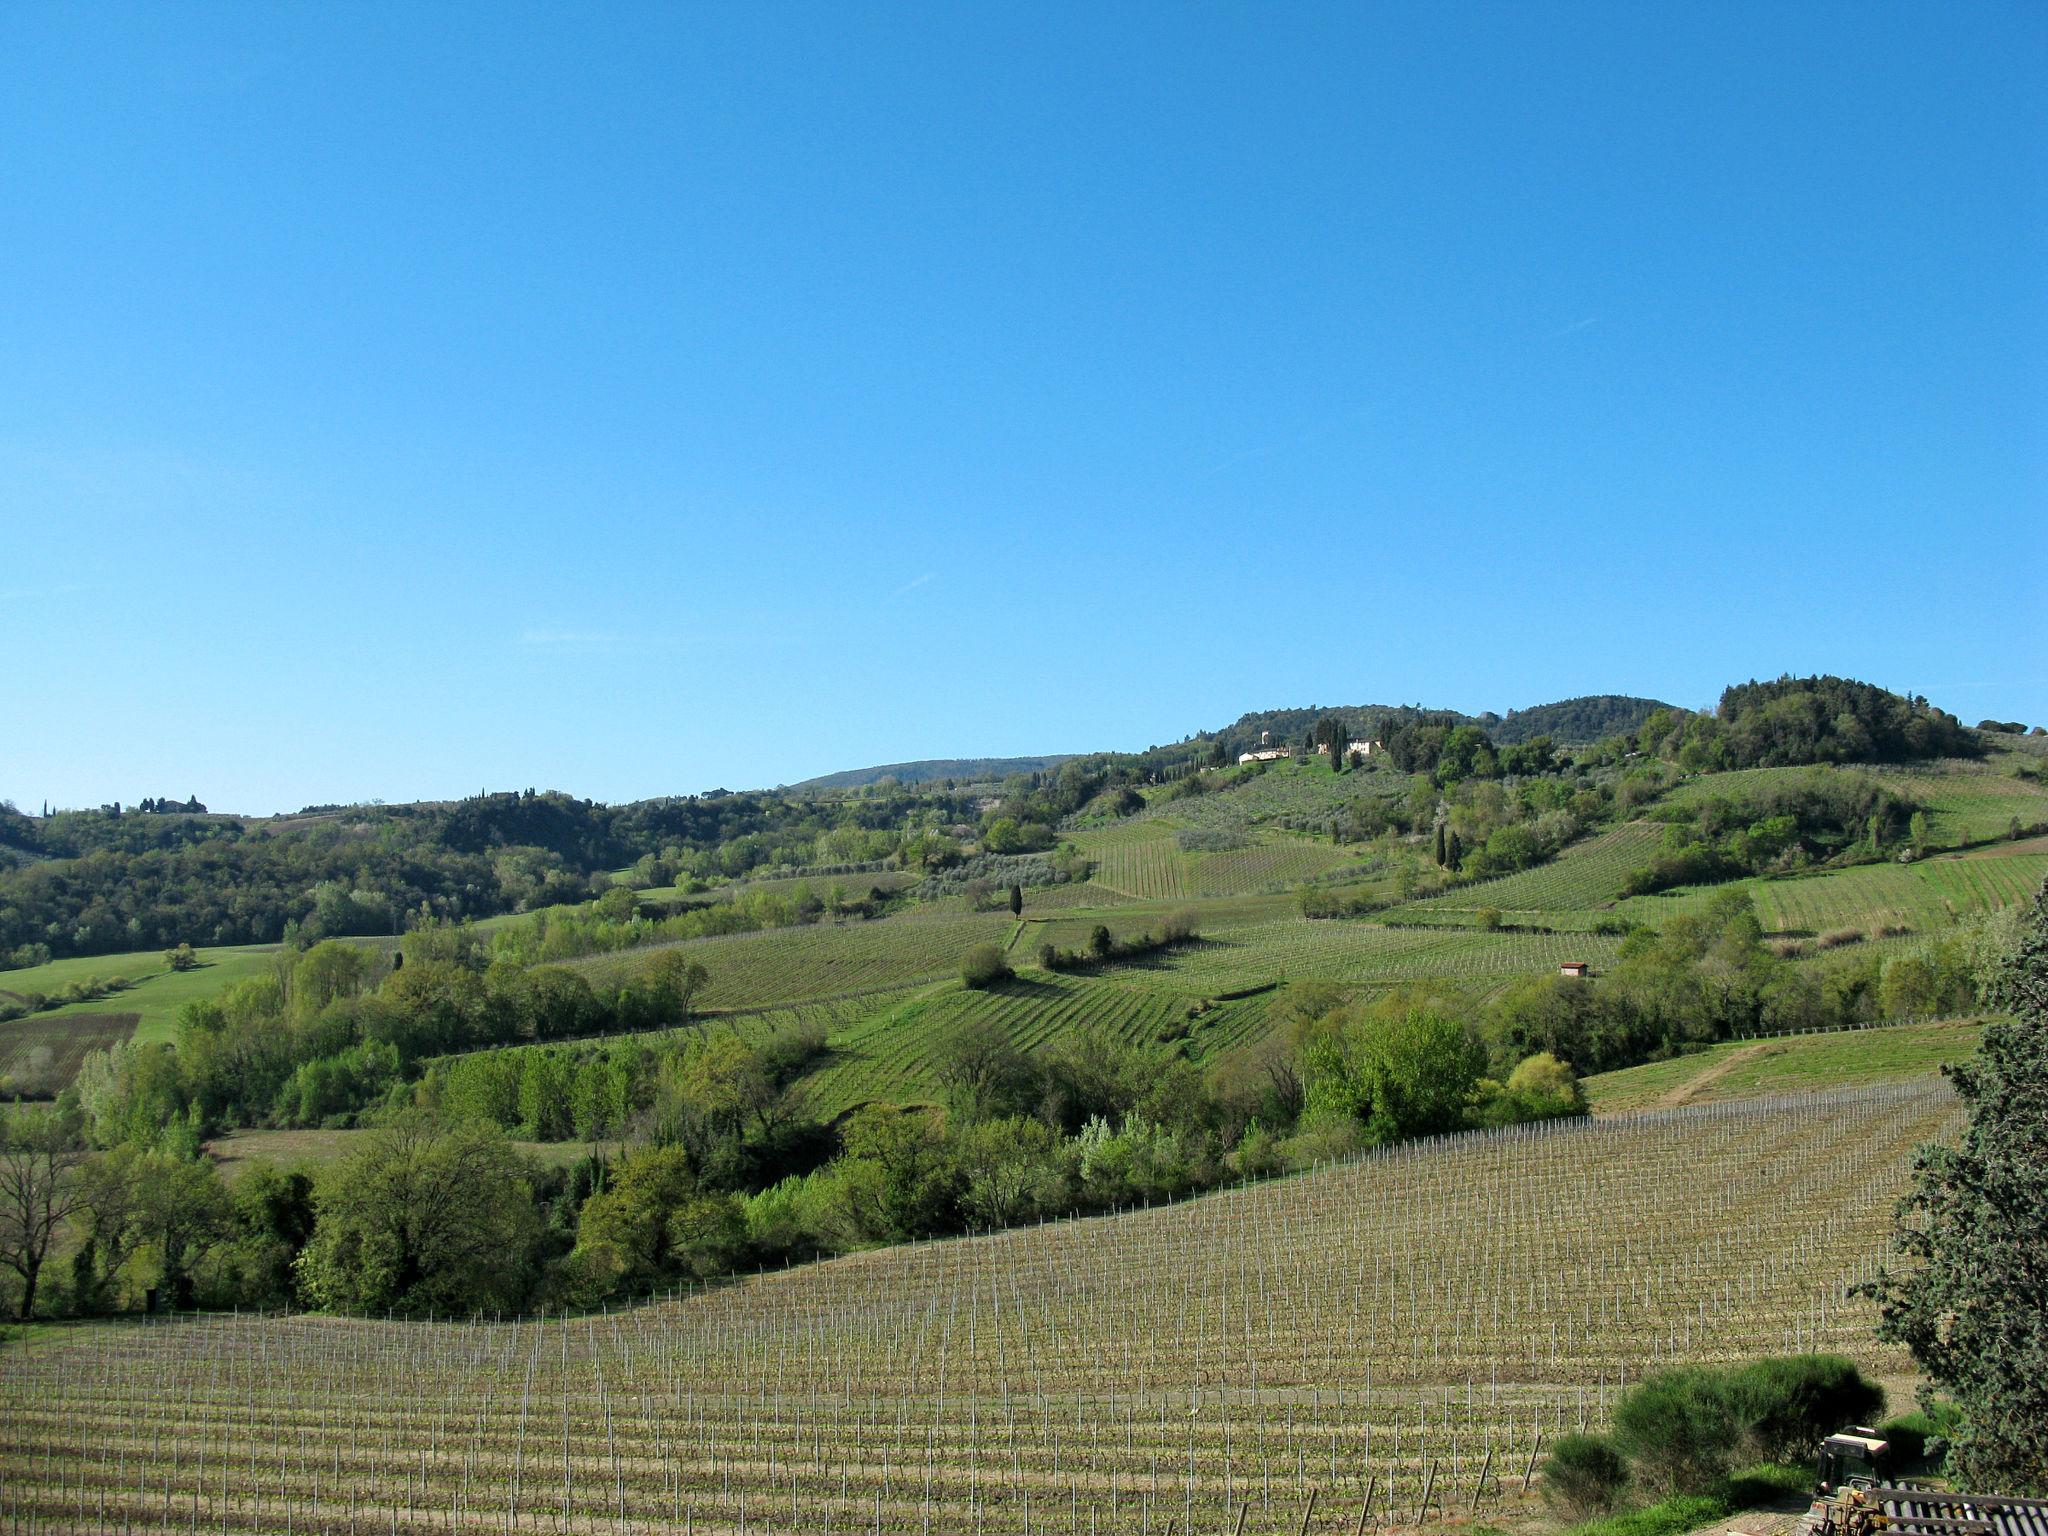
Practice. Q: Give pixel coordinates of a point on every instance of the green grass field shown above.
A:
(1745, 1069)
(156, 992)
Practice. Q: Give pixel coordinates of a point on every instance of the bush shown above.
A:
(1789, 1405)
(983, 966)
(1584, 1476)
(1680, 1428)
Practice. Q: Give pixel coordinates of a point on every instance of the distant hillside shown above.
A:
(965, 769)
(1576, 722)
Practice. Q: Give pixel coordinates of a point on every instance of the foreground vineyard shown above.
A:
(1388, 1337)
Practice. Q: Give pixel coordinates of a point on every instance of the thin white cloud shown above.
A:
(912, 585)
(1575, 327)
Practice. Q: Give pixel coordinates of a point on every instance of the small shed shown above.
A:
(1574, 968)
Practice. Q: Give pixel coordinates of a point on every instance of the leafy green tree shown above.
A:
(181, 1213)
(1400, 1072)
(423, 1218)
(624, 1234)
(983, 966)
(1973, 1305)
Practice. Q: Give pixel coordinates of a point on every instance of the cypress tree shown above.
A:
(1972, 1306)
(1443, 851)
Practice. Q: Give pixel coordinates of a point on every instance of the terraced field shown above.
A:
(787, 965)
(1383, 1338)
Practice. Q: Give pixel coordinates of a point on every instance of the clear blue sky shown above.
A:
(397, 400)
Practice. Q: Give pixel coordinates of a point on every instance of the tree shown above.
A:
(181, 958)
(983, 966)
(39, 1189)
(1973, 1306)
(1011, 1170)
(424, 1218)
(1016, 900)
(980, 1069)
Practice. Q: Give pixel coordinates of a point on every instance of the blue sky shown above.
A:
(401, 400)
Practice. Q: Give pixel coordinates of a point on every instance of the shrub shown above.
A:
(1680, 1428)
(1584, 1476)
(181, 958)
(983, 966)
(1789, 1405)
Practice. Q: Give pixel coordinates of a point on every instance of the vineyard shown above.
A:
(785, 965)
(1377, 1344)
(1584, 876)
(41, 1054)
(1787, 1064)
(1143, 858)
(1923, 896)
(890, 1055)
(1364, 954)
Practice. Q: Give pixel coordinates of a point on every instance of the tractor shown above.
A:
(1852, 1463)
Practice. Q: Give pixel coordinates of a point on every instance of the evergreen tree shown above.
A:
(1973, 1308)
(1016, 900)
(1443, 850)
(1455, 849)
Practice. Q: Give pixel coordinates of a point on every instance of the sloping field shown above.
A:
(1966, 801)
(786, 965)
(1928, 895)
(155, 992)
(1143, 858)
(1740, 1069)
(1970, 803)
(1298, 949)
(41, 1054)
(1584, 876)
(1409, 1319)
(891, 1054)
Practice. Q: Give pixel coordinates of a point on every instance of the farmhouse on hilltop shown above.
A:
(1265, 751)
